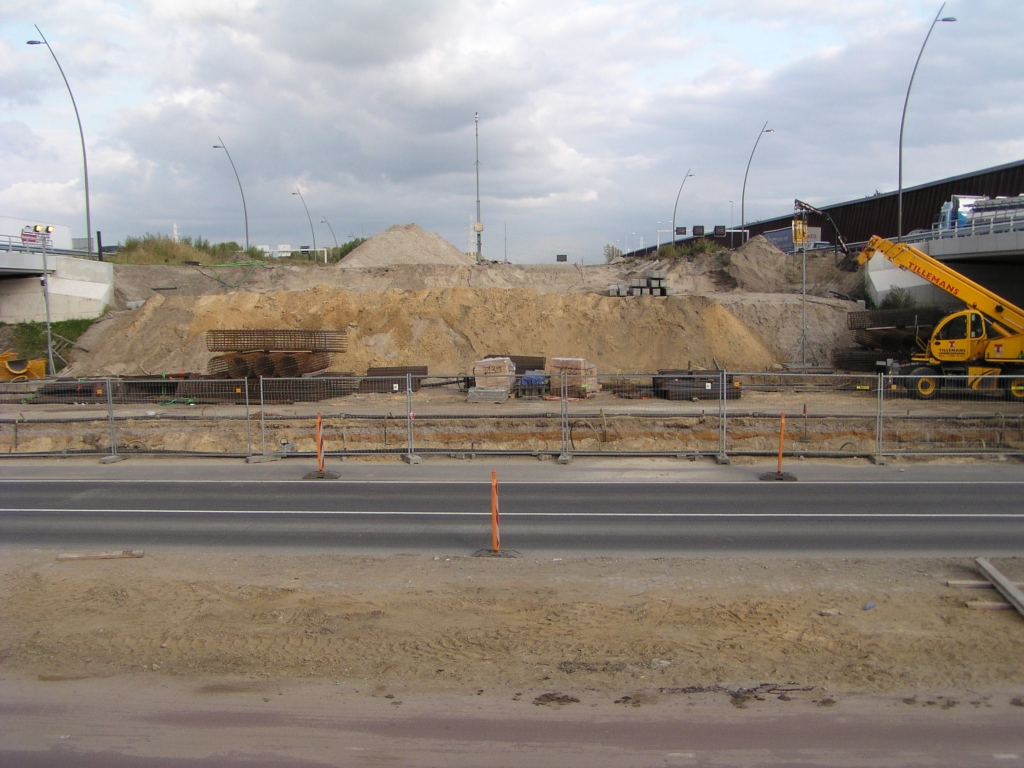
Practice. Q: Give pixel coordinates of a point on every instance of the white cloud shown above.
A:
(590, 111)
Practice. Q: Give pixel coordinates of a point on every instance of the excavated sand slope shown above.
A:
(446, 329)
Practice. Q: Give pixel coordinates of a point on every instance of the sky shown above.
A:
(591, 113)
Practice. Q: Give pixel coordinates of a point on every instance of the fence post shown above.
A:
(263, 423)
(878, 458)
(566, 456)
(410, 456)
(722, 457)
(113, 432)
(248, 421)
(110, 416)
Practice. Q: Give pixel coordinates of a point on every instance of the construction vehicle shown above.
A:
(15, 368)
(980, 347)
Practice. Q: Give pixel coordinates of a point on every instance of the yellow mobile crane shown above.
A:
(975, 345)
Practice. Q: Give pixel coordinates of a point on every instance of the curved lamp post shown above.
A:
(325, 221)
(81, 134)
(688, 175)
(899, 204)
(743, 197)
(245, 212)
(311, 230)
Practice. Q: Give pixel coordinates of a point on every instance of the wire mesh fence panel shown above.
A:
(360, 414)
(667, 413)
(826, 414)
(19, 392)
(34, 423)
(953, 415)
(190, 416)
(499, 412)
(54, 434)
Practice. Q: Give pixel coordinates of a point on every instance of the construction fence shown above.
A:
(686, 415)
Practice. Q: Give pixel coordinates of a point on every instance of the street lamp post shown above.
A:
(81, 135)
(743, 197)
(478, 226)
(325, 221)
(903, 117)
(730, 222)
(674, 207)
(245, 212)
(46, 301)
(311, 230)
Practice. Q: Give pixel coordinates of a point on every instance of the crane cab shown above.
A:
(959, 338)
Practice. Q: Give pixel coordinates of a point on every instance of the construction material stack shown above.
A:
(580, 377)
(494, 378)
(271, 353)
(654, 284)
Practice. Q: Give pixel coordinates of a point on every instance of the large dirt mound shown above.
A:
(445, 329)
(405, 244)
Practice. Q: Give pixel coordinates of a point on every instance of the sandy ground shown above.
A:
(460, 661)
(454, 624)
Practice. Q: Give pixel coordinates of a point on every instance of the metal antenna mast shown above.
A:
(479, 227)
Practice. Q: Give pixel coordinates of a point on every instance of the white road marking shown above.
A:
(630, 515)
(411, 481)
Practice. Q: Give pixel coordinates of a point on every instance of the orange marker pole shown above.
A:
(782, 439)
(495, 518)
(319, 444)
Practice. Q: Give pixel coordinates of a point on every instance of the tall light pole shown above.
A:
(688, 175)
(81, 135)
(743, 197)
(903, 117)
(45, 231)
(311, 230)
(325, 221)
(479, 225)
(730, 222)
(245, 212)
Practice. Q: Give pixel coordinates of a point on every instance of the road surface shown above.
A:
(538, 518)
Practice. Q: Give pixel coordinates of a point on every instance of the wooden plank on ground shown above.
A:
(976, 584)
(1006, 587)
(125, 553)
(988, 605)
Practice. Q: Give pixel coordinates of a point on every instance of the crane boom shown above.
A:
(975, 296)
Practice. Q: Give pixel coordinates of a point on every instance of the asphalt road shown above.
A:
(547, 518)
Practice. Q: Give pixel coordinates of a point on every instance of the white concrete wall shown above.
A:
(79, 288)
(883, 276)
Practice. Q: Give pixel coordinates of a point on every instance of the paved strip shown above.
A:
(505, 515)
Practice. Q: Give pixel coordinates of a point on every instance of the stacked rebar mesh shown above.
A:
(272, 353)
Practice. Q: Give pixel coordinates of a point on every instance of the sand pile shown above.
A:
(445, 329)
(759, 266)
(405, 244)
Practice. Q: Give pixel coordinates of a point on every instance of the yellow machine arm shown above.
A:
(952, 282)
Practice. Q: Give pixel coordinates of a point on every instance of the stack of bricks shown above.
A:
(655, 284)
(580, 377)
(495, 377)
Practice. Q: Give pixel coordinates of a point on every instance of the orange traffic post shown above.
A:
(320, 473)
(778, 474)
(782, 439)
(495, 515)
(319, 444)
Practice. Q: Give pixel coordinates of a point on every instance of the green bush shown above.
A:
(898, 298)
(29, 339)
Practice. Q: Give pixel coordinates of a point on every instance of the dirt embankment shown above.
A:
(407, 297)
(446, 329)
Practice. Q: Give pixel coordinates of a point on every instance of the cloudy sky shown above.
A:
(590, 113)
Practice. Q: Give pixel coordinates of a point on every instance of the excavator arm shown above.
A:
(847, 262)
(997, 309)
